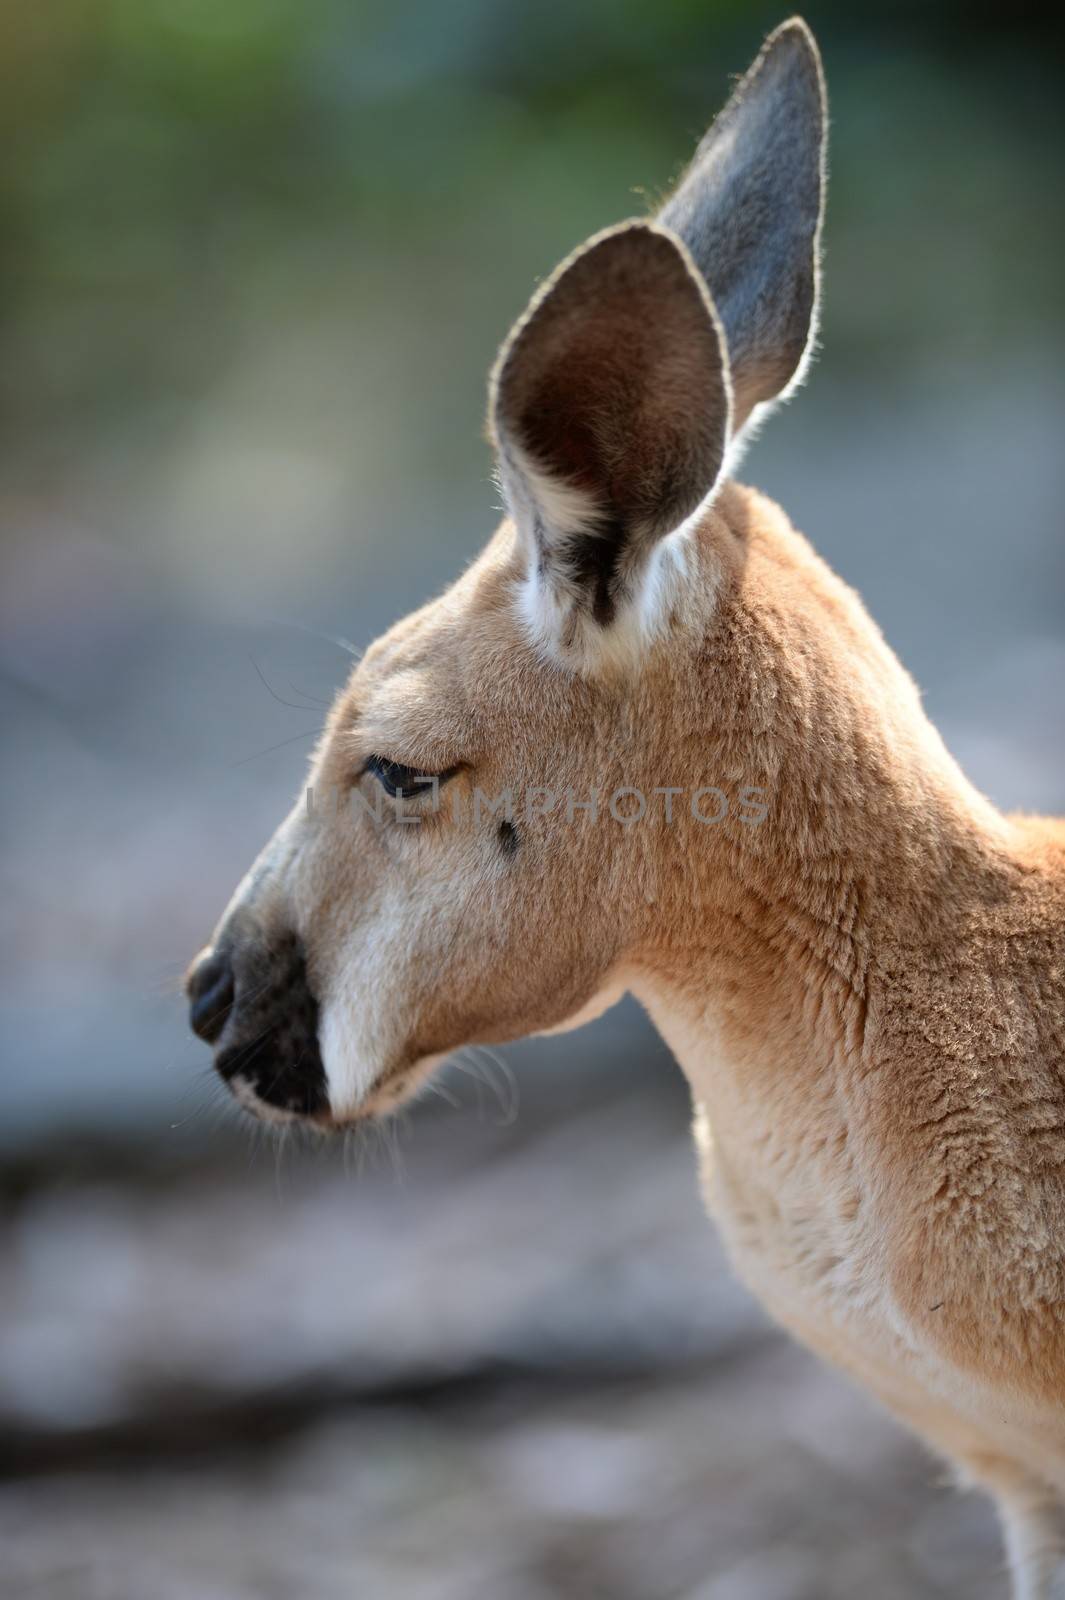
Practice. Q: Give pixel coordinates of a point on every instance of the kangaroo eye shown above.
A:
(401, 782)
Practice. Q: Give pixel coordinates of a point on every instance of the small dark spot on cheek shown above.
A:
(508, 838)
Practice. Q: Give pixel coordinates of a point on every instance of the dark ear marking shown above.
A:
(590, 562)
(508, 838)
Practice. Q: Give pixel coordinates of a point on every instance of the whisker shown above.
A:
(506, 1093)
(312, 699)
(507, 1073)
(247, 1053)
(294, 705)
(471, 1069)
(280, 1145)
(398, 1125)
(432, 1087)
(317, 633)
(209, 1099)
(306, 734)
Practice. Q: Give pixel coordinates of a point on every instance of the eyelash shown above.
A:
(400, 782)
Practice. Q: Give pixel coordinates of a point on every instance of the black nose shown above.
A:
(210, 989)
(251, 998)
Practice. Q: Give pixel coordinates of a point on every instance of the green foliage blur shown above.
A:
(173, 173)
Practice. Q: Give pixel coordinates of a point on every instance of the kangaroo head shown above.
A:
(508, 788)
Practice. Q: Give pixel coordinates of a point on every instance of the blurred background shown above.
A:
(256, 258)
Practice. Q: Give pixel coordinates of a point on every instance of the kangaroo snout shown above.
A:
(250, 998)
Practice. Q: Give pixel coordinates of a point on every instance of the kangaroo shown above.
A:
(861, 968)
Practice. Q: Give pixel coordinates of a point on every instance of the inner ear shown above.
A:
(610, 408)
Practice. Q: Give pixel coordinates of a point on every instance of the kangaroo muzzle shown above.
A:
(250, 999)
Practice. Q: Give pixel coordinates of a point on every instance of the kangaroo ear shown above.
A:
(749, 208)
(609, 409)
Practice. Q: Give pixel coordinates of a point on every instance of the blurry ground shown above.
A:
(254, 263)
(512, 1366)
